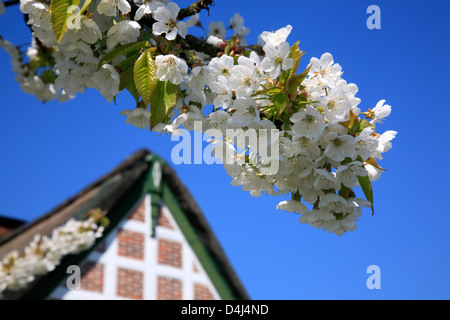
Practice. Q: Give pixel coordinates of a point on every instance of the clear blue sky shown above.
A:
(51, 151)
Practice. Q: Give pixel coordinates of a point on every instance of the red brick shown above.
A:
(92, 276)
(131, 244)
(202, 292)
(130, 284)
(169, 289)
(139, 212)
(169, 253)
(163, 221)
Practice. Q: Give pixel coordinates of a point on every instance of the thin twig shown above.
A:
(11, 3)
(195, 8)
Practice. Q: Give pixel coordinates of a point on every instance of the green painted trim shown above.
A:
(208, 263)
(154, 207)
(50, 281)
(155, 192)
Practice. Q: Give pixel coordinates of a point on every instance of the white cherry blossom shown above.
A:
(138, 117)
(277, 59)
(122, 33)
(108, 7)
(308, 123)
(166, 22)
(277, 37)
(148, 8)
(380, 112)
(171, 68)
(217, 29)
(339, 147)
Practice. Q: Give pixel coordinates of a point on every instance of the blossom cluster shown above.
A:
(30, 81)
(326, 145)
(44, 253)
(320, 156)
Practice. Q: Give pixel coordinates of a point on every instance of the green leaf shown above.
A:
(280, 100)
(295, 80)
(127, 73)
(162, 102)
(365, 124)
(48, 76)
(230, 45)
(127, 82)
(126, 77)
(366, 186)
(133, 91)
(344, 191)
(267, 90)
(129, 62)
(352, 124)
(83, 8)
(373, 163)
(104, 222)
(145, 75)
(295, 53)
(59, 16)
(301, 103)
(120, 51)
(36, 62)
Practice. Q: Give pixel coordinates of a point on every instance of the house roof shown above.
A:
(112, 193)
(7, 224)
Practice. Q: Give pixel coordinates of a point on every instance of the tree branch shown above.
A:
(195, 8)
(147, 20)
(11, 3)
(200, 45)
(190, 42)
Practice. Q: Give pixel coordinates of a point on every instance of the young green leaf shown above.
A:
(365, 124)
(121, 51)
(230, 45)
(48, 76)
(128, 62)
(126, 77)
(145, 75)
(280, 100)
(366, 186)
(352, 124)
(296, 54)
(81, 11)
(266, 90)
(295, 80)
(60, 14)
(127, 73)
(162, 102)
(374, 163)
